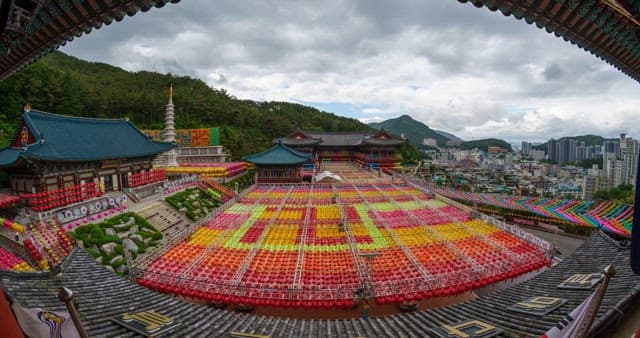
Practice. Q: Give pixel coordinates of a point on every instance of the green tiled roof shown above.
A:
(9, 156)
(278, 154)
(67, 138)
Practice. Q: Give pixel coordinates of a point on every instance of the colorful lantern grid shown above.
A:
(9, 261)
(612, 217)
(325, 274)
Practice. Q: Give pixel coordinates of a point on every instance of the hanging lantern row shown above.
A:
(46, 200)
(151, 176)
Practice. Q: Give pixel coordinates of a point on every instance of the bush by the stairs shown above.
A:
(194, 201)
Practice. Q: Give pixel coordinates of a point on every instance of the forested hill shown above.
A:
(61, 84)
(484, 144)
(414, 131)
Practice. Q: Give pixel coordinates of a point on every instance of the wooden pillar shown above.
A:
(119, 178)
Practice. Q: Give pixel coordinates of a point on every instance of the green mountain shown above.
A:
(484, 144)
(61, 84)
(589, 140)
(450, 136)
(414, 131)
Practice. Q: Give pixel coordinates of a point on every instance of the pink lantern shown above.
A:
(93, 218)
(77, 223)
(85, 220)
(70, 226)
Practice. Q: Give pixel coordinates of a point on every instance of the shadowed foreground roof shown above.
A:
(101, 295)
(57, 21)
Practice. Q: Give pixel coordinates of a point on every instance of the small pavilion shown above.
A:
(279, 164)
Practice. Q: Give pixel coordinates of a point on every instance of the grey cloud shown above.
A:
(553, 72)
(363, 52)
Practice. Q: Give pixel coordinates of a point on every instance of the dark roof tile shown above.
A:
(68, 138)
(278, 154)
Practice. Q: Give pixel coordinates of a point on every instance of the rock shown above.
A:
(110, 232)
(146, 241)
(137, 238)
(99, 260)
(134, 229)
(126, 224)
(108, 248)
(130, 245)
(193, 197)
(110, 268)
(121, 269)
(182, 210)
(116, 259)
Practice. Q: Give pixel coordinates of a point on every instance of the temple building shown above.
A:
(377, 150)
(55, 160)
(279, 164)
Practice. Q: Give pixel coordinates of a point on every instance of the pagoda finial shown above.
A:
(171, 92)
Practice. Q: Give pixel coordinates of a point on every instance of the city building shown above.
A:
(620, 160)
(430, 142)
(537, 154)
(526, 148)
(592, 184)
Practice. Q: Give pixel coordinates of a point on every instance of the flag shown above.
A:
(571, 323)
(36, 322)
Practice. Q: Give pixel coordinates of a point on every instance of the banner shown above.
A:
(199, 137)
(570, 325)
(189, 137)
(36, 322)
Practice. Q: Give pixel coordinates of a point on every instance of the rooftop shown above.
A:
(340, 138)
(52, 137)
(279, 154)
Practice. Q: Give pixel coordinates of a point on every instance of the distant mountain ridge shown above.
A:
(414, 131)
(450, 136)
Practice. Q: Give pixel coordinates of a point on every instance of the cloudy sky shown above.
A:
(454, 67)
